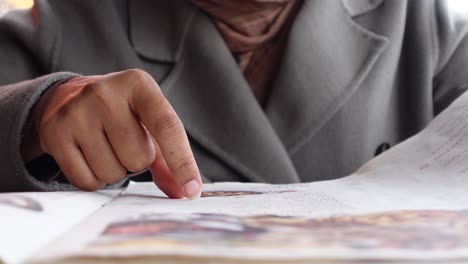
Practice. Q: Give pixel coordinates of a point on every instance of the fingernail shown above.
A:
(192, 189)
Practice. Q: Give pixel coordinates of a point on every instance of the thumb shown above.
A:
(162, 176)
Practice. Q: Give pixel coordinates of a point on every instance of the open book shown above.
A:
(410, 203)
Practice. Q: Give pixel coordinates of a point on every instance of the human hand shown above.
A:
(98, 127)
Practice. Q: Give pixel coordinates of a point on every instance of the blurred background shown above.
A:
(5, 5)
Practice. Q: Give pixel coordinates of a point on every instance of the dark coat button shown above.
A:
(382, 148)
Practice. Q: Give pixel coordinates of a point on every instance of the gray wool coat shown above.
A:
(357, 77)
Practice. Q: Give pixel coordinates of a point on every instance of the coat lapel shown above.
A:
(327, 57)
(209, 93)
(319, 72)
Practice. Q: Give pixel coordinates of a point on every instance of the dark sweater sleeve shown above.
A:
(16, 102)
(26, 58)
(29, 44)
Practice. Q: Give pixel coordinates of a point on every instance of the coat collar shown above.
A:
(320, 70)
(158, 28)
(257, 144)
(169, 22)
(360, 7)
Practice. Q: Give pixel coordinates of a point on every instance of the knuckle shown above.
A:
(140, 163)
(92, 88)
(88, 183)
(99, 91)
(140, 78)
(148, 158)
(138, 74)
(140, 154)
(144, 88)
(169, 123)
(117, 174)
(187, 163)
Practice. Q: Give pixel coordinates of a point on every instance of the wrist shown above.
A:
(30, 145)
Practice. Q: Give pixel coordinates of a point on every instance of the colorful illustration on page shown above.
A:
(431, 230)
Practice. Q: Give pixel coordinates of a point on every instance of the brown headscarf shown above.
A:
(255, 31)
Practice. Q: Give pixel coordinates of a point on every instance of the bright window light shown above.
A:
(458, 5)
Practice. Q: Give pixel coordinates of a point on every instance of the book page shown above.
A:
(31, 220)
(410, 203)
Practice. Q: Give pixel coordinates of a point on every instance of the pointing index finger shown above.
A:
(162, 122)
